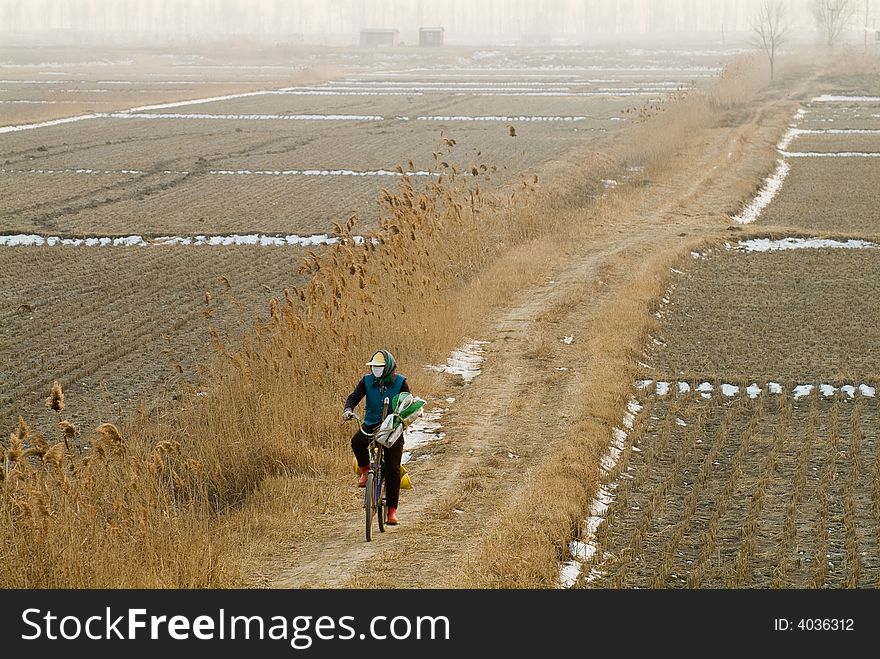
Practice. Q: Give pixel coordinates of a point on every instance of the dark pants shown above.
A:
(391, 458)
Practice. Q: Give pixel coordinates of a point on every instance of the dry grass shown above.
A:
(661, 129)
(125, 516)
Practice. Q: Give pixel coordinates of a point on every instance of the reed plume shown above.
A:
(55, 401)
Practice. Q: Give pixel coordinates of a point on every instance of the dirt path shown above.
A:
(533, 378)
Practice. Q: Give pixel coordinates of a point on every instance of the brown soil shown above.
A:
(115, 325)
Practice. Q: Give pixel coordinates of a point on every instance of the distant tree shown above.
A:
(769, 29)
(832, 18)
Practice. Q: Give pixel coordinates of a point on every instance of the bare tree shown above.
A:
(832, 17)
(770, 27)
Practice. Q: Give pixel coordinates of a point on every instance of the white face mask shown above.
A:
(377, 371)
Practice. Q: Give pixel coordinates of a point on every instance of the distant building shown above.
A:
(536, 39)
(431, 36)
(379, 37)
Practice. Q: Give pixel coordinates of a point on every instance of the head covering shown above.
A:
(384, 359)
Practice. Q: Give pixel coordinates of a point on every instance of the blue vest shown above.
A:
(377, 391)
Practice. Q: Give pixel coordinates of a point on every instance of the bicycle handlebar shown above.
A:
(353, 416)
(360, 421)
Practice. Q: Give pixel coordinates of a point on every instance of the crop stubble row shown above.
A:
(735, 492)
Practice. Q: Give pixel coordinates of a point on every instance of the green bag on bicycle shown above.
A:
(405, 408)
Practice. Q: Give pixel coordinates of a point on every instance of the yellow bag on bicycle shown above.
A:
(405, 482)
(357, 469)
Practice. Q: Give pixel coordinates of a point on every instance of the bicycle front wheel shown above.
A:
(369, 504)
(379, 498)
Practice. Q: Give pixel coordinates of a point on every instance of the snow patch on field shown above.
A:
(706, 389)
(771, 186)
(497, 118)
(34, 240)
(196, 101)
(46, 124)
(832, 154)
(802, 390)
(143, 108)
(464, 361)
(332, 92)
(835, 131)
(729, 390)
(768, 245)
(832, 98)
(246, 117)
(319, 172)
(228, 172)
(27, 102)
(62, 65)
(827, 389)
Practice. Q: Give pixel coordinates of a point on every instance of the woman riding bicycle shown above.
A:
(380, 383)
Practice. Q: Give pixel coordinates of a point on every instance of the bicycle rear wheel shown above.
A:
(368, 505)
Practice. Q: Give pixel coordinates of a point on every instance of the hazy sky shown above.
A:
(463, 19)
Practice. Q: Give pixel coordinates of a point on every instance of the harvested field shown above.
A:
(112, 325)
(158, 175)
(837, 142)
(863, 118)
(40, 84)
(853, 83)
(828, 194)
(182, 204)
(798, 315)
(596, 109)
(155, 175)
(749, 456)
(745, 492)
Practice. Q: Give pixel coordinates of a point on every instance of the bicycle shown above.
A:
(374, 492)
